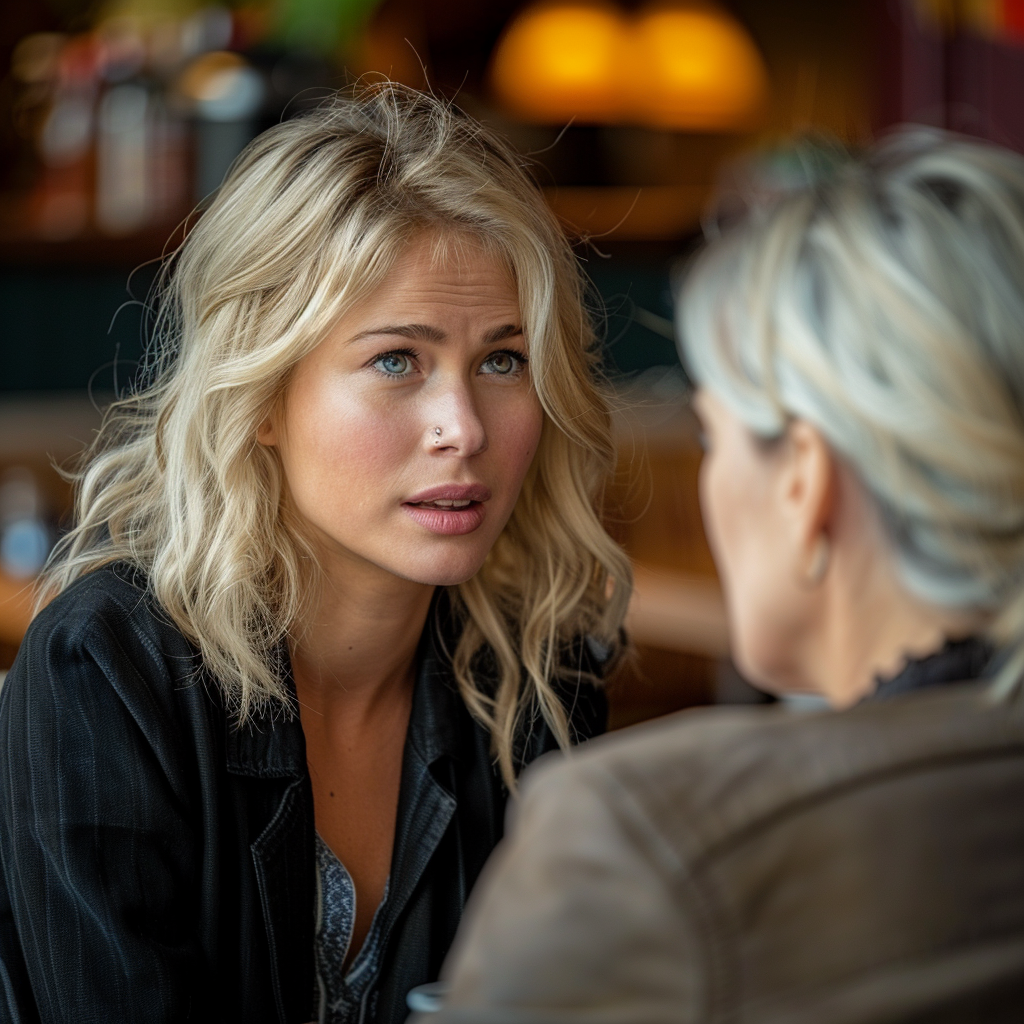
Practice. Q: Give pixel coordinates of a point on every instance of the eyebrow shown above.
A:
(425, 332)
(502, 333)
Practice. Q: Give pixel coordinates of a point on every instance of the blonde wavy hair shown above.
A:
(883, 302)
(311, 218)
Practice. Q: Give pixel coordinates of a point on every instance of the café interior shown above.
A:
(119, 118)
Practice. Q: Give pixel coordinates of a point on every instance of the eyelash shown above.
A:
(515, 354)
(411, 353)
(371, 364)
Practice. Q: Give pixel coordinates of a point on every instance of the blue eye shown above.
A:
(504, 363)
(395, 364)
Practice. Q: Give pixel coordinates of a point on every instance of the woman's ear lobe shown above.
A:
(266, 433)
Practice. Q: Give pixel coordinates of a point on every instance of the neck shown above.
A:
(359, 644)
(871, 626)
(872, 640)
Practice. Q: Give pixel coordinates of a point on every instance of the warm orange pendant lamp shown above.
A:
(559, 61)
(681, 66)
(699, 70)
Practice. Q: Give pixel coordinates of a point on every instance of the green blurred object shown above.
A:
(321, 26)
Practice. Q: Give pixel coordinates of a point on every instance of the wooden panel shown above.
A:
(650, 212)
(16, 601)
(653, 508)
(677, 616)
(657, 682)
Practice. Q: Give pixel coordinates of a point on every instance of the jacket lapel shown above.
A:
(284, 872)
(272, 754)
(425, 806)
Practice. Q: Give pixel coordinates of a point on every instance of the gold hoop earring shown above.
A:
(819, 560)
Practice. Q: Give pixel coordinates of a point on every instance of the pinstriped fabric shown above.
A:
(157, 863)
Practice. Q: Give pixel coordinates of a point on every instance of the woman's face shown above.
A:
(406, 435)
(749, 520)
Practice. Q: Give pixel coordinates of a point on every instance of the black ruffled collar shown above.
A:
(959, 661)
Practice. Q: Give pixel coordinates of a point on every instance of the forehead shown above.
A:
(455, 265)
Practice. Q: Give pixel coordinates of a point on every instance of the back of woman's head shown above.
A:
(884, 304)
(309, 221)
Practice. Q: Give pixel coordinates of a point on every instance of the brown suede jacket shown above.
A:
(760, 865)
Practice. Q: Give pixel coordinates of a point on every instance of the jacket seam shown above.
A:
(802, 804)
(683, 875)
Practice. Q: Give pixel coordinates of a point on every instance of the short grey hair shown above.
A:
(884, 304)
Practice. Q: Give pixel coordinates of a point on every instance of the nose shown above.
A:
(454, 423)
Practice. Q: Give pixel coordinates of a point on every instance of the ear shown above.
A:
(266, 432)
(809, 488)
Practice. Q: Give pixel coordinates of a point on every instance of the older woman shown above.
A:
(859, 346)
(337, 574)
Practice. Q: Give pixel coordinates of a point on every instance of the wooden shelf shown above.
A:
(630, 213)
(86, 251)
(40, 427)
(19, 247)
(616, 213)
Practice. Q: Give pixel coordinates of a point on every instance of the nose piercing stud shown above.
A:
(437, 430)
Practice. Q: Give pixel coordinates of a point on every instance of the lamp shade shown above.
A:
(559, 61)
(695, 69)
(683, 66)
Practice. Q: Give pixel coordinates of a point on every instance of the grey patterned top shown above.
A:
(343, 998)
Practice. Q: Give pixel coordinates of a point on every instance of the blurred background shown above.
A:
(119, 118)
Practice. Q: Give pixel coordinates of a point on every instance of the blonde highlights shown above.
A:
(310, 219)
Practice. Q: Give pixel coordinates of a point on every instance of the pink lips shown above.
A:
(431, 508)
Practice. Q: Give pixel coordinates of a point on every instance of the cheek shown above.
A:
(744, 541)
(514, 436)
(721, 500)
(335, 439)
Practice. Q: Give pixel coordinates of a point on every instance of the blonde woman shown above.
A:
(859, 348)
(337, 573)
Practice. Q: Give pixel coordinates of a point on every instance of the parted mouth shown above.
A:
(442, 503)
(450, 497)
(449, 510)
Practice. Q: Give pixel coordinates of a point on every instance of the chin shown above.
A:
(755, 670)
(768, 673)
(440, 572)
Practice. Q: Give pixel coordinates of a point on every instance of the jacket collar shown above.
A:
(437, 707)
(958, 661)
(271, 744)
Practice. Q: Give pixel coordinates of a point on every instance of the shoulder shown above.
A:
(115, 596)
(585, 664)
(109, 612)
(665, 838)
(100, 644)
(704, 777)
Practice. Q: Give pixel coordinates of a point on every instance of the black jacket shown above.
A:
(158, 862)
